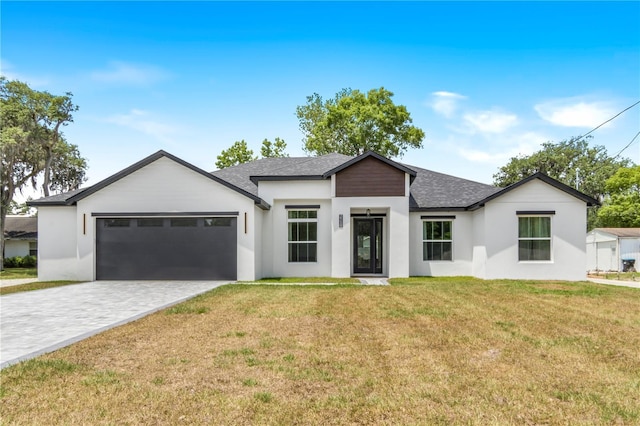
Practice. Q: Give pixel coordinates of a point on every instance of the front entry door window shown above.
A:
(367, 245)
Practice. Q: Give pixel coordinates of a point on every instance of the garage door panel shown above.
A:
(166, 249)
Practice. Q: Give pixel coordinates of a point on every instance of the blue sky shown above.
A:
(485, 81)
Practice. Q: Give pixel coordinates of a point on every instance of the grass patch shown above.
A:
(307, 280)
(16, 273)
(35, 286)
(187, 308)
(421, 351)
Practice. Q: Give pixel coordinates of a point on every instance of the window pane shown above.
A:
(437, 230)
(313, 252)
(312, 214)
(534, 250)
(116, 223)
(303, 252)
(541, 227)
(150, 222)
(425, 251)
(184, 222)
(447, 251)
(523, 227)
(217, 221)
(293, 252)
(293, 214)
(313, 231)
(293, 231)
(446, 230)
(302, 214)
(425, 227)
(303, 231)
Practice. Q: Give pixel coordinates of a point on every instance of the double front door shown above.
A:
(367, 245)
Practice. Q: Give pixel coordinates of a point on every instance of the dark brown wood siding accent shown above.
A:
(370, 178)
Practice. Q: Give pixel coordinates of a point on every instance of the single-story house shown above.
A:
(607, 247)
(332, 215)
(20, 236)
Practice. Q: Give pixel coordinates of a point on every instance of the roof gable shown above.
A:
(73, 197)
(370, 154)
(544, 178)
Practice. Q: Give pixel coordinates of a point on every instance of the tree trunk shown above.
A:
(4, 207)
(47, 170)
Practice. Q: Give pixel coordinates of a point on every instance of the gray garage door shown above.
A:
(158, 248)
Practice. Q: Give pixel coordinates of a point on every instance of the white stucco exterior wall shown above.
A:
(162, 186)
(463, 246)
(13, 248)
(568, 228)
(395, 233)
(57, 247)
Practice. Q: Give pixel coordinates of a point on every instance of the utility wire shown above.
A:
(615, 116)
(627, 146)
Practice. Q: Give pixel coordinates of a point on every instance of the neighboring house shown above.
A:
(333, 215)
(20, 236)
(607, 247)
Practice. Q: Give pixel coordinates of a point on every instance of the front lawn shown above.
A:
(15, 273)
(421, 351)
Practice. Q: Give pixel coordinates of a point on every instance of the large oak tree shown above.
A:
(353, 123)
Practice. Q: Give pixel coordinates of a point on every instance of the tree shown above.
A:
(32, 144)
(572, 162)
(621, 209)
(238, 153)
(353, 123)
(273, 149)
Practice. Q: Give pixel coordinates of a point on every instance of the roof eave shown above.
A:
(375, 155)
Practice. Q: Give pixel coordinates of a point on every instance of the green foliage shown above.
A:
(572, 162)
(20, 262)
(238, 153)
(565, 161)
(621, 209)
(273, 149)
(353, 123)
(32, 144)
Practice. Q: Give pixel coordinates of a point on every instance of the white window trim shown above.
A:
(550, 238)
(424, 220)
(301, 220)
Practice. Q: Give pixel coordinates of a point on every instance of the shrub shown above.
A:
(20, 262)
(29, 261)
(12, 262)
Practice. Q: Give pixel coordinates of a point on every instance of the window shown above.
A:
(116, 223)
(184, 222)
(150, 222)
(33, 248)
(303, 235)
(534, 238)
(437, 240)
(217, 221)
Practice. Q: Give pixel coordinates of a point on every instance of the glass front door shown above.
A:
(367, 245)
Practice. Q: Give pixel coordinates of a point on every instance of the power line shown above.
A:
(627, 146)
(615, 116)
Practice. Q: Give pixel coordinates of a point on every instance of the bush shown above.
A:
(29, 261)
(20, 262)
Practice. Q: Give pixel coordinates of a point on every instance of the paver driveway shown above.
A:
(36, 322)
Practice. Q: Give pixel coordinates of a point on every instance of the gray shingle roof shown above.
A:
(21, 227)
(433, 190)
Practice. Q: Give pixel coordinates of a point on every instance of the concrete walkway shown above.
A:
(36, 322)
(634, 284)
(17, 281)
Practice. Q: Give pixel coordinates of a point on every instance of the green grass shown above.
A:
(457, 351)
(16, 273)
(35, 286)
(305, 280)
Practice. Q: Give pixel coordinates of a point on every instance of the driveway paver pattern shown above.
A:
(36, 322)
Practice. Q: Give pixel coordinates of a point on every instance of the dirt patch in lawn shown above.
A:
(437, 351)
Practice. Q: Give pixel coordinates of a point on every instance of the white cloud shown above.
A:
(445, 103)
(130, 74)
(490, 121)
(33, 81)
(502, 150)
(574, 112)
(141, 121)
